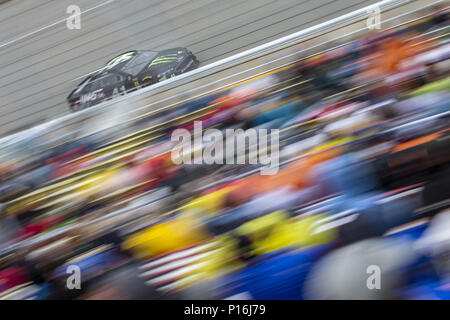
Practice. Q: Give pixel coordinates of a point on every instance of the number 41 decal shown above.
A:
(120, 91)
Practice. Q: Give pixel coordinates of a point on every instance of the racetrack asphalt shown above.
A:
(41, 60)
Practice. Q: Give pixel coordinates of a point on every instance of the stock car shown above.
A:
(130, 71)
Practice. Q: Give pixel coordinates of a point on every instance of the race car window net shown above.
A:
(110, 80)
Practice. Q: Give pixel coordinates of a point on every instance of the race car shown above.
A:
(130, 71)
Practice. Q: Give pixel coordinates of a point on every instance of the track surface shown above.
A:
(41, 60)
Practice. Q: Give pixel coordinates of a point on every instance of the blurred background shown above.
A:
(93, 206)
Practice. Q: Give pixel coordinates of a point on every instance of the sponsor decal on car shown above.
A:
(163, 59)
(122, 58)
(92, 96)
(187, 66)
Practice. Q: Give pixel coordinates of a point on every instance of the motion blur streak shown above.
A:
(36, 73)
(359, 208)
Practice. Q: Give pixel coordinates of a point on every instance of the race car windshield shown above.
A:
(139, 62)
(119, 60)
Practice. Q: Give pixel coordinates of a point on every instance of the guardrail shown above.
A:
(130, 107)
